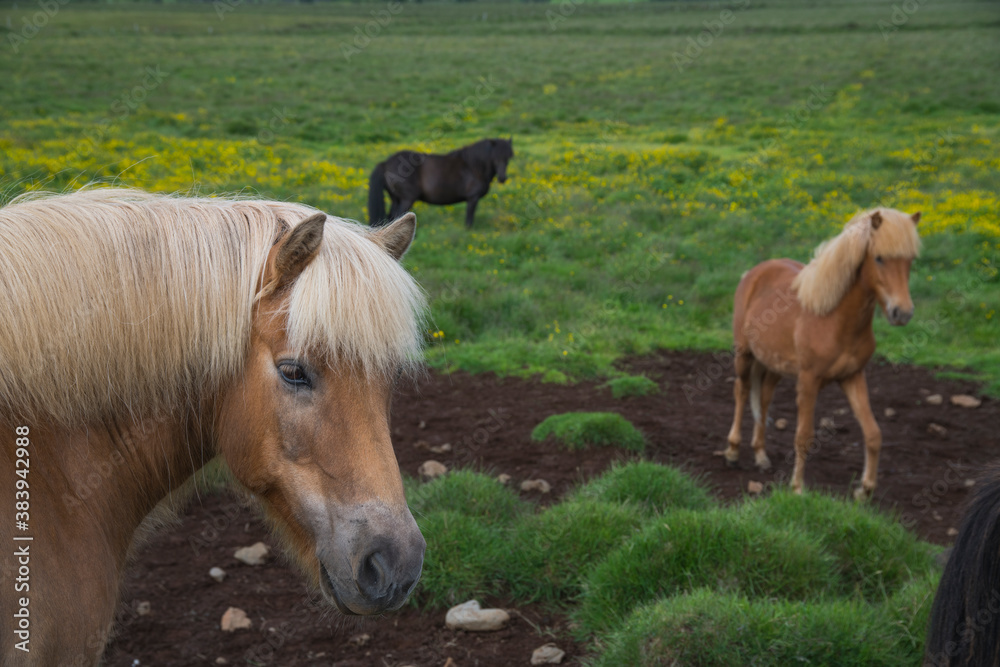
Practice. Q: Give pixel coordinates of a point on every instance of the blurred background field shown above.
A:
(649, 172)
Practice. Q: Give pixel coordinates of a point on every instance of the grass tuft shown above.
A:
(650, 487)
(632, 385)
(554, 549)
(462, 560)
(684, 550)
(468, 493)
(708, 628)
(579, 430)
(875, 555)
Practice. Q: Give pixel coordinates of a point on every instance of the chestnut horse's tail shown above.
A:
(757, 371)
(376, 198)
(964, 624)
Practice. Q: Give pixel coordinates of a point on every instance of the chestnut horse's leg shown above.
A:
(741, 390)
(806, 392)
(856, 389)
(767, 384)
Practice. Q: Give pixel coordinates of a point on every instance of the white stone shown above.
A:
(781, 424)
(934, 399)
(235, 619)
(549, 654)
(217, 573)
(473, 618)
(536, 485)
(431, 469)
(965, 401)
(503, 478)
(143, 608)
(255, 554)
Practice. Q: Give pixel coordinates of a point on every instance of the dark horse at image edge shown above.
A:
(965, 619)
(461, 175)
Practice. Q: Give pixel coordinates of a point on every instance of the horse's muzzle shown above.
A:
(378, 577)
(898, 316)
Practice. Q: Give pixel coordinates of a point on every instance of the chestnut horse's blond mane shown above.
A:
(118, 301)
(822, 284)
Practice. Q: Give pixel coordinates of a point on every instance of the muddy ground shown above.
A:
(924, 477)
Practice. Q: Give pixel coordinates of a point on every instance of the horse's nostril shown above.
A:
(372, 575)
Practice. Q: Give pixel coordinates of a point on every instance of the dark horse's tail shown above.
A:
(376, 198)
(965, 619)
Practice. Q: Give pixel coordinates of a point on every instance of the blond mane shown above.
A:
(117, 300)
(825, 280)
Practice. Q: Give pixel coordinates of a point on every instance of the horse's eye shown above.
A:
(878, 259)
(293, 374)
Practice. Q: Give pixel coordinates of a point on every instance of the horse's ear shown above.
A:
(397, 236)
(915, 218)
(876, 219)
(293, 252)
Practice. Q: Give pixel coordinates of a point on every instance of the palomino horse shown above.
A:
(143, 335)
(963, 620)
(461, 175)
(815, 323)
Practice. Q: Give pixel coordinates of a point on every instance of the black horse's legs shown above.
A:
(470, 211)
(401, 206)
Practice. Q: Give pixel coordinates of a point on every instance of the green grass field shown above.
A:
(661, 150)
(648, 174)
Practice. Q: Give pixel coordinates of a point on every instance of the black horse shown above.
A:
(461, 175)
(965, 619)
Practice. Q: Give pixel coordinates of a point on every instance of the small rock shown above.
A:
(952, 532)
(549, 654)
(441, 449)
(422, 425)
(360, 640)
(934, 399)
(781, 424)
(143, 608)
(470, 616)
(965, 401)
(253, 555)
(431, 469)
(753, 488)
(827, 424)
(937, 429)
(421, 444)
(221, 661)
(235, 619)
(503, 478)
(217, 573)
(840, 412)
(970, 482)
(536, 485)
(936, 516)
(889, 412)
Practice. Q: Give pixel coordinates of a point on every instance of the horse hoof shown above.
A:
(763, 466)
(861, 493)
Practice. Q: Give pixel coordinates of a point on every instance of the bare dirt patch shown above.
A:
(488, 421)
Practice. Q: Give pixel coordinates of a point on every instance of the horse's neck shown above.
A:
(117, 473)
(857, 308)
(483, 167)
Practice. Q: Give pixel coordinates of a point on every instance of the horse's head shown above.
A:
(501, 151)
(893, 246)
(307, 428)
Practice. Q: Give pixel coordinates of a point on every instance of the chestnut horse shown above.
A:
(143, 335)
(815, 323)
